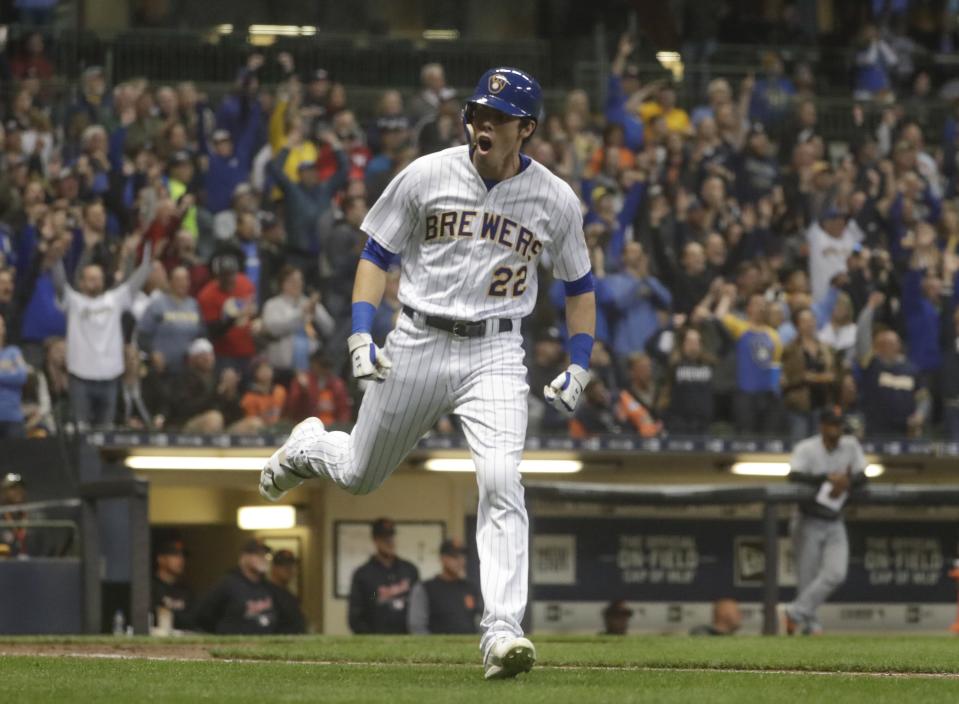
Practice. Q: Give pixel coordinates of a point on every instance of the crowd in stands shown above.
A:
(178, 263)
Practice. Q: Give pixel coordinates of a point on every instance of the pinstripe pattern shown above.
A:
(451, 276)
(482, 380)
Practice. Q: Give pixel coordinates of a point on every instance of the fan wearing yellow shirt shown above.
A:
(677, 119)
(287, 126)
(757, 406)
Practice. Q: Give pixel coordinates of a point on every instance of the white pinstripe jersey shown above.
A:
(470, 253)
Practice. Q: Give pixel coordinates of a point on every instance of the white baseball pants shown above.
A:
(482, 381)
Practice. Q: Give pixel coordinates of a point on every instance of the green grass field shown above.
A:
(420, 670)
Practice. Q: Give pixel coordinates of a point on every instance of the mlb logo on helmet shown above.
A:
(497, 82)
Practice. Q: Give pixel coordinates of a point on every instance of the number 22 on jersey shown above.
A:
(508, 281)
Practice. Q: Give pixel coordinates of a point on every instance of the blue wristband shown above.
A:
(363, 313)
(580, 348)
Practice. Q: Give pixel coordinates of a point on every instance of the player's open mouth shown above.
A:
(484, 144)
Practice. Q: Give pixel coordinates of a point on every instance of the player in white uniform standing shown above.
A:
(470, 224)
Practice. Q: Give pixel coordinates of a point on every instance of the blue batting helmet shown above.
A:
(509, 90)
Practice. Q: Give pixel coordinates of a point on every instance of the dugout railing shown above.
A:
(60, 590)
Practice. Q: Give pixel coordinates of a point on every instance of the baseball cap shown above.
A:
(220, 135)
(832, 415)
(11, 479)
(242, 189)
(832, 213)
(94, 70)
(383, 528)
(306, 166)
(255, 546)
(180, 157)
(171, 547)
(282, 558)
(320, 74)
(200, 346)
(452, 547)
(618, 607)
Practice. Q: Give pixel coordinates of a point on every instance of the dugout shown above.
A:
(333, 534)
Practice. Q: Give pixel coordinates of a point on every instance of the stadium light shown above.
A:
(781, 469)
(266, 517)
(672, 62)
(448, 464)
(282, 30)
(195, 463)
(441, 35)
(761, 469)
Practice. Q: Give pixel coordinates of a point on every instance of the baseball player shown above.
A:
(833, 463)
(470, 224)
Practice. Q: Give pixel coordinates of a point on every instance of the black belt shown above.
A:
(460, 328)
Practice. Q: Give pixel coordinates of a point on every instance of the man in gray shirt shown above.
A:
(832, 463)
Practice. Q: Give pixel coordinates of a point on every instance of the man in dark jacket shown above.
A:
(241, 603)
(289, 615)
(379, 594)
(196, 403)
(895, 400)
(688, 393)
(168, 593)
(448, 603)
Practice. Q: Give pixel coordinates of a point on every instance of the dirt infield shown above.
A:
(161, 650)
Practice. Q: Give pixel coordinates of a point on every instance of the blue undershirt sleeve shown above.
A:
(582, 285)
(378, 255)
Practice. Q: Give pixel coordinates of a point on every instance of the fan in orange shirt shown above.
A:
(613, 157)
(264, 400)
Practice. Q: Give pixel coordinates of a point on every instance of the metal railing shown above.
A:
(206, 56)
(367, 66)
(59, 537)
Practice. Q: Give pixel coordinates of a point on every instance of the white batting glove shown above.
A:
(564, 391)
(369, 361)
